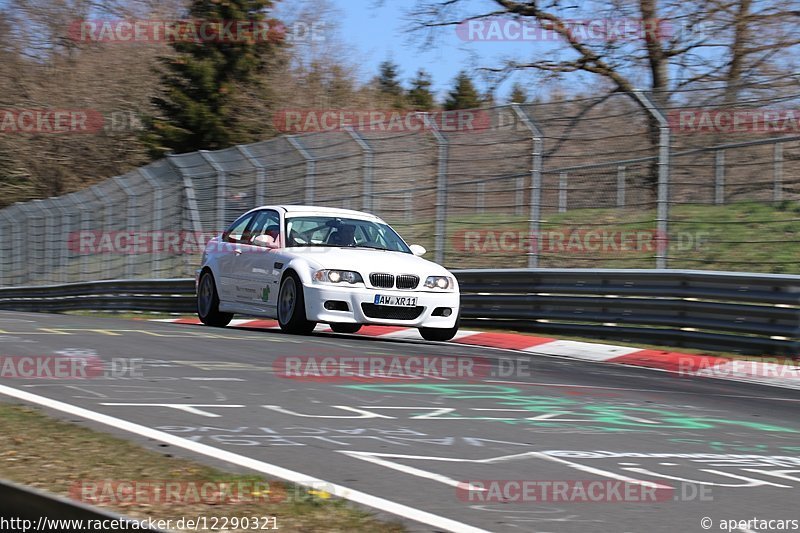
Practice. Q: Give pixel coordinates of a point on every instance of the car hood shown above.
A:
(366, 261)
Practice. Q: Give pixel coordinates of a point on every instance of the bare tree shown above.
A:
(678, 43)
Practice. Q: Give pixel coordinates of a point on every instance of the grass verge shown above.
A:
(61, 457)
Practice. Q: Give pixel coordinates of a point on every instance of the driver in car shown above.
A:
(344, 236)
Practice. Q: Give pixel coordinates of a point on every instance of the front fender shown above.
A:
(303, 267)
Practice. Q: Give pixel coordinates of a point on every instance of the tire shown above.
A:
(345, 328)
(440, 334)
(292, 307)
(208, 303)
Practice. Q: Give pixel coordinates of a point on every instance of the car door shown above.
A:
(228, 259)
(257, 260)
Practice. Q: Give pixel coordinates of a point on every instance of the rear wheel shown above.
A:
(345, 328)
(292, 307)
(208, 303)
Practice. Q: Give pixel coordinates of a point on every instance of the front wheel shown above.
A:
(345, 328)
(292, 307)
(208, 303)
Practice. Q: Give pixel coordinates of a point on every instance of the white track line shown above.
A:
(253, 464)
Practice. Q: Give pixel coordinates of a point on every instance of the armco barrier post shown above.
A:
(662, 215)
(535, 217)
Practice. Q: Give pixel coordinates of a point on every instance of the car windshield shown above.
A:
(342, 232)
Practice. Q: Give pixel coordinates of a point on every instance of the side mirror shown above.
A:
(417, 250)
(266, 241)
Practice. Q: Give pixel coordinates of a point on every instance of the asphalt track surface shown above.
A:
(727, 450)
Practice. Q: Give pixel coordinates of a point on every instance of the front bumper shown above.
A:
(316, 295)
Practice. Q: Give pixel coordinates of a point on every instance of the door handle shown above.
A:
(238, 251)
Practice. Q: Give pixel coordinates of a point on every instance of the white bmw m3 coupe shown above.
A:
(303, 265)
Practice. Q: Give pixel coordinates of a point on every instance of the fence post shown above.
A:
(108, 213)
(562, 192)
(30, 260)
(75, 208)
(50, 250)
(719, 177)
(131, 222)
(311, 168)
(7, 246)
(64, 229)
(191, 197)
(158, 221)
(777, 172)
(222, 190)
(534, 222)
(440, 230)
(84, 224)
(662, 215)
(191, 204)
(366, 186)
(621, 186)
(261, 172)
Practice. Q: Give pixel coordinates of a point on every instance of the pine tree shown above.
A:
(210, 85)
(389, 86)
(420, 96)
(464, 95)
(518, 94)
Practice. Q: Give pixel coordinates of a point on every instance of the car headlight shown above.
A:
(439, 282)
(338, 276)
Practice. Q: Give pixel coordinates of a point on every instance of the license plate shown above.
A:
(396, 301)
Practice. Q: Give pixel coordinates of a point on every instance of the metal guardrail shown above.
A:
(25, 503)
(737, 312)
(164, 295)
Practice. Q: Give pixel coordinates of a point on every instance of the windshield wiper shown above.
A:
(367, 247)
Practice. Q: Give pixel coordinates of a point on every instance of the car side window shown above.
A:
(237, 232)
(266, 224)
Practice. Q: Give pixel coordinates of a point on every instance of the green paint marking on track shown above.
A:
(608, 417)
